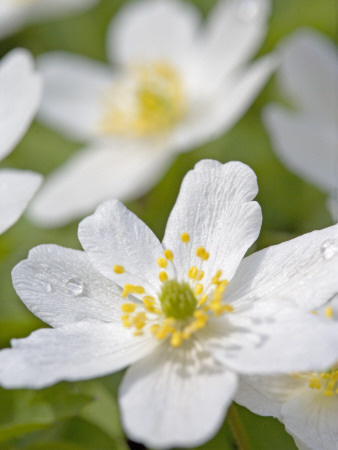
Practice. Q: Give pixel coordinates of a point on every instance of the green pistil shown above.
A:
(177, 300)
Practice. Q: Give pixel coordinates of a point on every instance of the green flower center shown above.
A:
(177, 300)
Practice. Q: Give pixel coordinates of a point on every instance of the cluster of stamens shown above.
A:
(327, 382)
(181, 307)
(148, 100)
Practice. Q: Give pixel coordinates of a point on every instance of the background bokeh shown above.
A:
(81, 416)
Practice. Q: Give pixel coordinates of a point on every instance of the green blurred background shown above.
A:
(81, 416)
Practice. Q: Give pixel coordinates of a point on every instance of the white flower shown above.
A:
(307, 403)
(20, 91)
(15, 14)
(175, 84)
(187, 313)
(306, 140)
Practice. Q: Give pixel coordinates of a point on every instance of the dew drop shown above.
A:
(329, 248)
(75, 286)
(46, 286)
(247, 9)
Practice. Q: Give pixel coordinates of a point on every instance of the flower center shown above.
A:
(177, 300)
(148, 100)
(181, 307)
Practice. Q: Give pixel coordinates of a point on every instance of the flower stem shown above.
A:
(237, 429)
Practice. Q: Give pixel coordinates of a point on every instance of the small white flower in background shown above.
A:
(307, 403)
(306, 140)
(187, 313)
(20, 92)
(15, 14)
(175, 83)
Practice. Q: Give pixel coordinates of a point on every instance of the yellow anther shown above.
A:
(328, 312)
(154, 329)
(198, 314)
(119, 269)
(228, 308)
(131, 289)
(202, 253)
(138, 333)
(185, 238)
(192, 272)
(148, 298)
(128, 307)
(200, 275)
(126, 320)
(198, 289)
(176, 339)
(169, 254)
(216, 277)
(162, 262)
(139, 320)
(203, 300)
(166, 329)
(163, 276)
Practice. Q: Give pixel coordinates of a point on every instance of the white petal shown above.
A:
(312, 418)
(96, 174)
(115, 236)
(305, 145)
(255, 400)
(60, 286)
(175, 397)
(234, 31)
(77, 351)
(14, 15)
(17, 187)
(217, 113)
(20, 92)
(303, 270)
(153, 30)
(274, 337)
(309, 73)
(74, 91)
(214, 206)
(265, 395)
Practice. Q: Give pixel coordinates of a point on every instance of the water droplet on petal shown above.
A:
(46, 286)
(75, 286)
(247, 9)
(329, 248)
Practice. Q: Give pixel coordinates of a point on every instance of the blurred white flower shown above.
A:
(175, 84)
(307, 403)
(20, 92)
(187, 313)
(15, 14)
(306, 140)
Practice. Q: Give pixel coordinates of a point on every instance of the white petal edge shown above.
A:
(303, 269)
(60, 286)
(214, 207)
(175, 397)
(113, 235)
(75, 88)
(124, 171)
(308, 73)
(17, 187)
(306, 146)
(153, 30)
(77, 351)
(20, 94)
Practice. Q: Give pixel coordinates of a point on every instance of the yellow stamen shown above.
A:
(169, 254)
(185, 238)
(131, 289)
(202, 253)
(328, 312)
(128, 307)
(198, 289)
(192, 272)
(163, 276)
(176, 339)
(162, 262)
(118, 269)
(200, 275)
